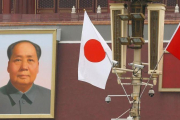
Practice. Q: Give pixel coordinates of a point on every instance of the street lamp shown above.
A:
(124, 16)
(134, 11)
(137, 40)
(125, 40)
(137, 16)
(134, 40)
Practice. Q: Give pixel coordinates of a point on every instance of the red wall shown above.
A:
(78, 100)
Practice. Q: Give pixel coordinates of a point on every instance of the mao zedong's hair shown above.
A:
(11, 47)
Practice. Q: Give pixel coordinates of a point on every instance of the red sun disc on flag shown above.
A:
(93, 51)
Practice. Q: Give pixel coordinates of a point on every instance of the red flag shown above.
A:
(174, 45)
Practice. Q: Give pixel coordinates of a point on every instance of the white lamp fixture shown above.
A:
(176, 9)
(73, 10)
(98, 9)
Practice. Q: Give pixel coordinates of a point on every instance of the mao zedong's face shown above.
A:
(23, 66)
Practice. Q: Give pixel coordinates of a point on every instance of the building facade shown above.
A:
(79, 100)
(63, 6)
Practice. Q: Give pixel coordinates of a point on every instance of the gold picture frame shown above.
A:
(47, 40)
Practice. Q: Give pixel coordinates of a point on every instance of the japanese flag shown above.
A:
(95, 56)
(174, 45)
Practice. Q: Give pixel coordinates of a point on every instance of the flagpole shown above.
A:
(118, 78)
(152, 73)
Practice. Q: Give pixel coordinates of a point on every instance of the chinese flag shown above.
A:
(174, 45)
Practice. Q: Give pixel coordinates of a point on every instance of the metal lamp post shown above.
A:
(134, 11)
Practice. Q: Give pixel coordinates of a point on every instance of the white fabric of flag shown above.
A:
(95, 56)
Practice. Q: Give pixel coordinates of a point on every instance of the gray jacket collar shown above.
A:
(15, 95)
